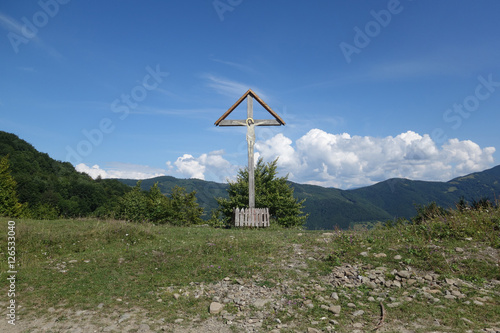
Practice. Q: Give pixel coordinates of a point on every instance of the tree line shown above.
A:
(33, 185)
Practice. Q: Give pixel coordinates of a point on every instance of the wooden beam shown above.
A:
(251, 171)
(267, 122)
(261, 102)
(235, 105)
(258, 122)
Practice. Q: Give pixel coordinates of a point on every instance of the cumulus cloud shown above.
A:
(331, 160)
(121, 170)
(345, 161)
(210, 166)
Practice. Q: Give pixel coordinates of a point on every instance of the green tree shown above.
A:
(270, 191)
(159, 206)
(185, 208)
(9, 204)
(133, 205)
(180, 208)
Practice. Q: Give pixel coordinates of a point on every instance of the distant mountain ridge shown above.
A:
(330, 207)
(43, 180)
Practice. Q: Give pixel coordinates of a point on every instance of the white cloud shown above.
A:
(93, 171)
(11, 24)
(121, 170)
(331, 160)
(190, 167)
(342, 161)
(230, 88)
(211, 166)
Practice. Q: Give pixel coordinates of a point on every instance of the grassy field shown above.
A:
(85, 264)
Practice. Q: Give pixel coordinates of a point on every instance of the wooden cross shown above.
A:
(250, 123)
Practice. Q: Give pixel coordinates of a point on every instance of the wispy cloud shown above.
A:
(12, 25)
(229, 87)
(147, 110)
(240, 67)
(8, 23)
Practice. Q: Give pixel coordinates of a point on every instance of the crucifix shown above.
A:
(250, 124)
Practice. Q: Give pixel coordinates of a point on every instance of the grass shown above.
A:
(79, 264)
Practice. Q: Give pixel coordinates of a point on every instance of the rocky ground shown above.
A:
(352, 297)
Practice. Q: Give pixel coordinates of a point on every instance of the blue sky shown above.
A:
(369, 90)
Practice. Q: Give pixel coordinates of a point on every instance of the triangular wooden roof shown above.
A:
(238, 102)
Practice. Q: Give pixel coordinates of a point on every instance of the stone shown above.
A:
(397, 257)
(380, 255)
(143, 328)
(178, 320)
(351, 305)
(451, 282)
(335, 296)
(459, 249)
(476, 302)
(411, 282)
(313, 330)
(335, 309)
(176, 296)
(404, 274)
(216, 307)
(371, 285)
(358, 313)
(393, 305)
(260, 303)
(364, 254)
(124, 317)
(396, 284)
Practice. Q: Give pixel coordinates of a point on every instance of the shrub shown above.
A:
(180, 208)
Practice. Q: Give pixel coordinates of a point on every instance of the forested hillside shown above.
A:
(53, 187)
(399, 196)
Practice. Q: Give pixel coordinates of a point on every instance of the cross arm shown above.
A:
(257, 122)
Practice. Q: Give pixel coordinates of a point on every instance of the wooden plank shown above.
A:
(267, 122)
(235, 105)
(261, 102)
(228, 122)
(258, 122)
(251, 217)
(251, 166)
(250, 92)
(237, 216)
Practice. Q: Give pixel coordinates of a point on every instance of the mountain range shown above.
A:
(43, 180)
(329, 208)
